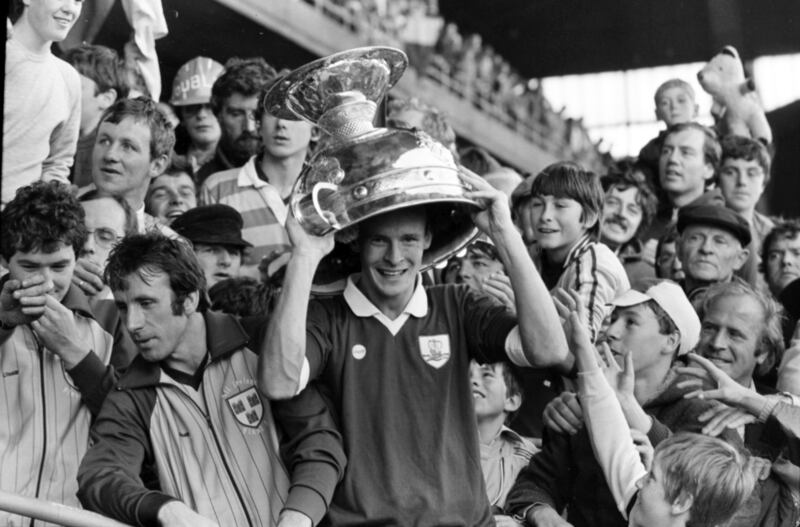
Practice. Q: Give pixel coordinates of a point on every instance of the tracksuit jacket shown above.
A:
(214, 447)
(47, 410)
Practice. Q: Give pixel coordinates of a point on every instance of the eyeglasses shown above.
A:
(105, 238)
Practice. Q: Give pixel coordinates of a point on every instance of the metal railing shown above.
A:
(51, 512)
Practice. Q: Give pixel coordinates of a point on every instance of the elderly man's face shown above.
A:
(710, 254)
(730, 334)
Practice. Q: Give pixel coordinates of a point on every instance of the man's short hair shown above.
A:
(101, 64)
(247, 77)
(771, 340)
(131, 225)
(242, 296)
(784, 229)
(570, 180)
(144, 110)
(712, 151)
(673, 83)
(633, 177)
(511, 376)
(738, 147)
(714, 474)
(151, 253)
(40, 217)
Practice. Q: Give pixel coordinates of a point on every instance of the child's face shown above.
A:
(557, 224)
(476, 267)
(489, 390)
(651, 508)
(675, 105)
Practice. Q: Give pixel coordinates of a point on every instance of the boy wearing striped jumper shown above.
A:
(560, 212)
(260, 189)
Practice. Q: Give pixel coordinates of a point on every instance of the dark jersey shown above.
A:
(405, 405)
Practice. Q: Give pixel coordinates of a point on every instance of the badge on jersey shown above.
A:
(246, 407)
(435, 349)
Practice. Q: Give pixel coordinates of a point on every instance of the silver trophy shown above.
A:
(362, 171)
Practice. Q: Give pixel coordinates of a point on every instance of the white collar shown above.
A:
(361, 306)
(248, 177)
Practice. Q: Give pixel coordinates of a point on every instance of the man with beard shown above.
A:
(234, 100)
(627, 211)
(260, 189)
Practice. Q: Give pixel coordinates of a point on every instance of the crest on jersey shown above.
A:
(246, 407)
(435, 349)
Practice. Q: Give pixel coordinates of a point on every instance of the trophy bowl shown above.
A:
(362, 171)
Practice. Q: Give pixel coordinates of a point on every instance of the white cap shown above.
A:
(671, 298)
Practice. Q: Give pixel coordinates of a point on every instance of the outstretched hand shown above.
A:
(572, 312)
(495, 216)
(304, 243)
(705, 374)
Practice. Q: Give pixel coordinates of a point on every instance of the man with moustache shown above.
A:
(235, 99)
(627, 211)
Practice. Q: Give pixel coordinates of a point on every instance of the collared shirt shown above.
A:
(261, 206)
(417, 306)
(501, 461)
(362, 307)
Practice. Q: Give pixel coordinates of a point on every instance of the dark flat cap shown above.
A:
(211, 224)
(715, 216)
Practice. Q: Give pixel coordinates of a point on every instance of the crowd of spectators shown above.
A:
(468, 67)
(615, 349)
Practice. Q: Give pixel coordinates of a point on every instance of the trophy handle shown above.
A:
(327, 216)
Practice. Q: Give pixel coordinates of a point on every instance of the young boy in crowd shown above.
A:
(565, 209)
(497, 395)
(42, 96)
(675, 103)
(102, 83)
